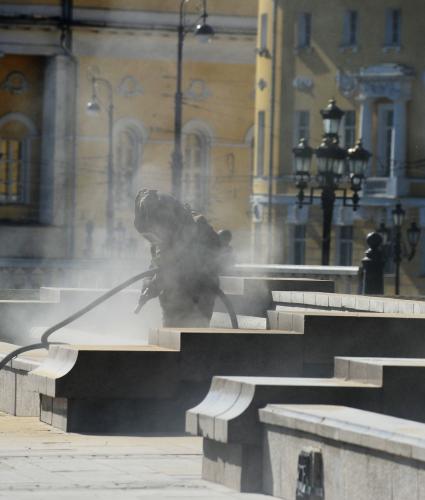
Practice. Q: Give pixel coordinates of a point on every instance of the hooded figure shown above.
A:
(187, 253)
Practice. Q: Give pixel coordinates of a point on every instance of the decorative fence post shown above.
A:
(372, 266)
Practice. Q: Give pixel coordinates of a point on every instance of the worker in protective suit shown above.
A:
(188, 254)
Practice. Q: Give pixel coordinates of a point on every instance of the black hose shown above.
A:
(44, 339)
(229, 306)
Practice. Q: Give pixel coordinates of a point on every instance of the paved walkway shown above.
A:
(38, 462)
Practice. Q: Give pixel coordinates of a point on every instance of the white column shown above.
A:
(399, 164)
(365, 132)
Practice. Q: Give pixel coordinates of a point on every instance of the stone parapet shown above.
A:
(362, 454)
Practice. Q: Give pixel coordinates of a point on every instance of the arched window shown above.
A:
(196, 153)
(16, 132)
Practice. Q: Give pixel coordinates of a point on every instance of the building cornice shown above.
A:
(38, 15)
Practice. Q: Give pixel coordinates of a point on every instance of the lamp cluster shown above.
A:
(333, 162)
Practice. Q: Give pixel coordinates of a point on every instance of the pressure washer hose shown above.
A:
(44, 338)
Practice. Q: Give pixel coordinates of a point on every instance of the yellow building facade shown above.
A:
(367, 59)
(58, 183)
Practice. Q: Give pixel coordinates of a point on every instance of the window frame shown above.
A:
(393, 20)
(350, 32)
(304, 30)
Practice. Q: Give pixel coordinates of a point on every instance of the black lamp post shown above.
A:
(413, 234)
(94, 107)
(332, 165)
(204, 32)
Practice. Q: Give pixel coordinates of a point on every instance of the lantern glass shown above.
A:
(302, 157)
(323, 164)
(331, 125)
(332, 116)
(204, 32)
(303, 164)
(358, 159)
(93, 106)
(413, 234)
(338, 166)
(357, 167)
(398, 215)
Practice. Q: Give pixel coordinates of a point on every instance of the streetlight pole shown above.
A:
(177, 156)
(398, 214)
(413, 235)
(94, 106)
(203, 31)
(328, 202)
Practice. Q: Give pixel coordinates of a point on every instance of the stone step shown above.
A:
(227, 418)
(347, 302)
(373, 456)
(329, 334)
(371, 370)
(222, 320)
(148, 388)
(16, 394)
(252, 296)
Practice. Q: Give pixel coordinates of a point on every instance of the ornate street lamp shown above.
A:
(94, 106)
(396, 246)
(333, 165)
(204, 32)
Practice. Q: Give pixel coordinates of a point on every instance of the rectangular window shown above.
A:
(302, 126)
(349, 129)
(263, 32)
(349, 37)
(304, 30)
(260, 143)
(393, 28)
(299, 244)
(11, 168)
(345, 245)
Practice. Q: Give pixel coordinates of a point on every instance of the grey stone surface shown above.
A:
(38, 462)
(18, 396)
(363, 461)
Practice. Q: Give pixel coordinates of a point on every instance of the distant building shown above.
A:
(54, 155)
(368, 58)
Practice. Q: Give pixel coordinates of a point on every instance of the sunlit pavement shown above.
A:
(40, 462)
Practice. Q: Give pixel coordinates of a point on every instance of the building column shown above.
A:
(399, 164)
(365, 131)
(58, 116)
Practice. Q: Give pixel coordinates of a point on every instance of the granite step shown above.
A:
(227, 418)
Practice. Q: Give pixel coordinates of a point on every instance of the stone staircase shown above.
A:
(299, 346)
(228, 417)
